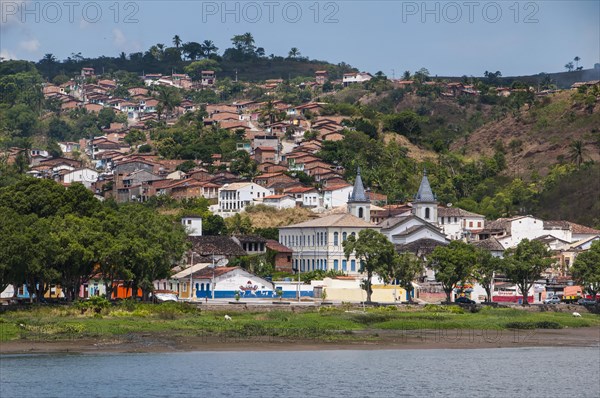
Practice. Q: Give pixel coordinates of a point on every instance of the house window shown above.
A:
(360, 212)
(470, 224)
(313, 264)
(442, 219)
(335, 265)
(352, 265)
(427, 213)
(336, 239)
(479, 224)
(344, 265)
(344, 236)
(455, 219)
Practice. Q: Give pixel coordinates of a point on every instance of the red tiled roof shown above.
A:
(278, 247)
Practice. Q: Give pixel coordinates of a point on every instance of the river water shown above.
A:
(497, 372)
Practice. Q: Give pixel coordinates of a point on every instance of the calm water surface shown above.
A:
(500, 372)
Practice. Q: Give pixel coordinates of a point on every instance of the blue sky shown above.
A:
(448, 38)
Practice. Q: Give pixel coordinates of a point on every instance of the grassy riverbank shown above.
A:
(341, 323)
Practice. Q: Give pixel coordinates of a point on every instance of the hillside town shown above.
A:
(283, 143)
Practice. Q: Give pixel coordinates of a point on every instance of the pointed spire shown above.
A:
(425, 193)
(358, 192)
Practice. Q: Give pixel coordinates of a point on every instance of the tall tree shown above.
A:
(403, 270)
(524, 264)
(577, 59)
(192, 50)
(208, 48)
(294, 53)
(577, 152)
(169, 98)
(586, 269)
(177, 41)
(569, 66)
(373, 250)
(452, 264)
(485, 269)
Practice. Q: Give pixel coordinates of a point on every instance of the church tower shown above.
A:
(359, 205)
(424, 205)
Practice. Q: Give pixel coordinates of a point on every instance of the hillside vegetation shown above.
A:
(539, 136)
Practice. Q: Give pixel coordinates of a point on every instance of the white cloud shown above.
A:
(119, 38)
(122, 43)
(31, 45)
(7, 54)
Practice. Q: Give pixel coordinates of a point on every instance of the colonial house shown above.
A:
(251, 244)
(305, 196)
(567, 254)
(235, 197)
(402, 230)
(336, 195)
(457, 223)
(579, 232)
(318, 244)
(510, 231)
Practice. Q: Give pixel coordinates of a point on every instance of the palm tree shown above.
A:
(577, 152)
(169, 98)
(269, 112)
(294, 53)
(177, 41)
(208, 48)
(577, 59)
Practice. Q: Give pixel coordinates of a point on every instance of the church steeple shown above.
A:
(425, 202)
(359, 205)
(425, 194)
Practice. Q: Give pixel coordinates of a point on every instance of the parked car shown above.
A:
(586, 301)
(552, 300)
(464, 300)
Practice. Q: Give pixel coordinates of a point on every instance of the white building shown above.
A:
(318, 244)
(402, 230)
(193, 225)
(336, 196)
(85, 176)
(280, 201)
(457, 223)
(235, 197)
(357, 77)
(510, 231)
